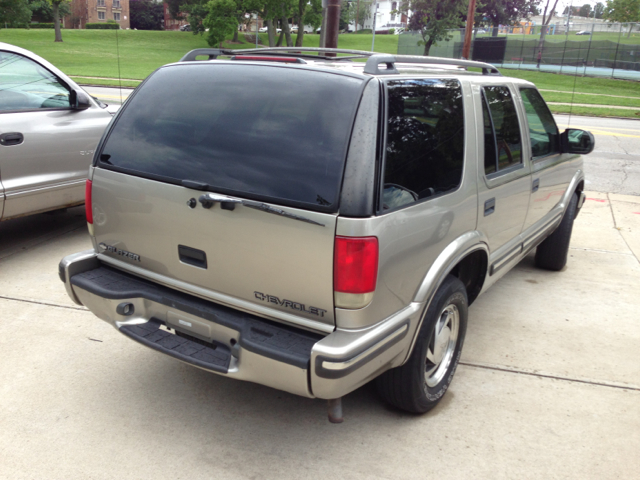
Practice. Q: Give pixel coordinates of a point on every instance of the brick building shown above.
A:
(97, 11)
(170, 23)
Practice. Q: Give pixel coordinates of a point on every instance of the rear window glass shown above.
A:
(272, 133)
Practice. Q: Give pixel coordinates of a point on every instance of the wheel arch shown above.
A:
(466, 258)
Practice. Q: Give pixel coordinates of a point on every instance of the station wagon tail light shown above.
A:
(355, 271)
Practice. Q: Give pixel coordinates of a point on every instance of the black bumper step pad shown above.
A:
(216, 357)
(270, 339)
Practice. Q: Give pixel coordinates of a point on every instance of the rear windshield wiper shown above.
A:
(208, 200)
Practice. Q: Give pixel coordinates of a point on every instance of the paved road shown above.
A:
(112, 96)
(614, 165)
(548, 385)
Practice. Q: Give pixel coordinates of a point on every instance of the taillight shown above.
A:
(88, 207)
(355, 271)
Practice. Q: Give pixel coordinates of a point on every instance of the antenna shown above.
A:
(118, 55)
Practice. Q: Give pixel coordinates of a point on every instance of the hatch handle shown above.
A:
(208, 200)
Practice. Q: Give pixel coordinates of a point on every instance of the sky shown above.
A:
(565, 3)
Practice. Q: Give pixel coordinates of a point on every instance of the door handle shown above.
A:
(489, 206)
(535, 185)
(9, 139)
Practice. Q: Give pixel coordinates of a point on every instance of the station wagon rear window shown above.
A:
(264, 132)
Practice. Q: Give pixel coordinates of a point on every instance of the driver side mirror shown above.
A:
(79, 100)
(578, 141)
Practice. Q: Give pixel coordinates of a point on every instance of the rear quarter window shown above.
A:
(264, 132)
(424, 151)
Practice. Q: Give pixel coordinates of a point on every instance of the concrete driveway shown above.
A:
(549, 385)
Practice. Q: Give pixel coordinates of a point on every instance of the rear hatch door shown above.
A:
(223, 180)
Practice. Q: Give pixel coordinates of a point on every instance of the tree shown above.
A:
(307, 13)
(622, 11)
(545, 24)
(196, 13)
(14, 13)
(599, 9)
(345, 11)
(221, 20)
(501, 12)
(585, 10)
(547, 18)
(146, 14)
(56, 9)
(434, 19)
(177, 7)
(42, 11)
(360, 14)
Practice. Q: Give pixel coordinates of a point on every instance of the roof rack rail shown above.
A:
(213, 53)
(373, 62)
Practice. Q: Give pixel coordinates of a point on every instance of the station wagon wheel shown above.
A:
(552, 253)
(419, 384)
(442, 345)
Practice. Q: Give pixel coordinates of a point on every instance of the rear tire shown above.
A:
(419, 384)
(552, 253)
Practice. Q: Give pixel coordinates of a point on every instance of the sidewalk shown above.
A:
(548, 386)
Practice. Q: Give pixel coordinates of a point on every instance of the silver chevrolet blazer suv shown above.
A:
(314, 222)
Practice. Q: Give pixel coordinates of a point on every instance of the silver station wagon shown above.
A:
(49, 130)
(312, 223)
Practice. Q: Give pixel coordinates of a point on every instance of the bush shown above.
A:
(102, 26)
(392, 31)
(43, 25)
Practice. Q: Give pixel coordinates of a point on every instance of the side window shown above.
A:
(26, 85)
(502, 140)
(542, 127)
(425, 140)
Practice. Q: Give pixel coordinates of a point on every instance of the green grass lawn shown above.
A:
(94, 53)
(132, 54)
(585, 88)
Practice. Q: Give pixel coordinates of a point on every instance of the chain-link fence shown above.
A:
(593, 49)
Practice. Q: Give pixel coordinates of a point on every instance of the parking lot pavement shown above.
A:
(549, 384)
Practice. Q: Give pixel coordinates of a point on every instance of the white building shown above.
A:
(384, 19)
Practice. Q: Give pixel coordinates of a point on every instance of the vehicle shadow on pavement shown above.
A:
(19, 234)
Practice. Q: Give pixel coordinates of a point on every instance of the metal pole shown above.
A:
(566, 36)
(471, 13)
(584, 72)
(521, 49)
(615, 59)
(375, 15)
(257, 31)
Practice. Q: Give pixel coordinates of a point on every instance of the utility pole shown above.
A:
(471, 13)
(333, 23)
(357, 13)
